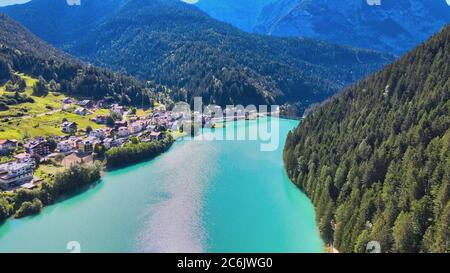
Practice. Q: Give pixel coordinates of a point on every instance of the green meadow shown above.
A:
(43, 117)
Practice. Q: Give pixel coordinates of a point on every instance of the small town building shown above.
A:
(25, 158)
(121, 123)
(100, 119)
(136, 127)
(65, 146)
(87, 145)
(68, 127)
(67, 101)
(108, 143)
(86, 103)
(156, 135)
(115, 108)
(98, 133)
(37, 147)
(82, 111)
(123, 131)
(13, 174)
(7, 145)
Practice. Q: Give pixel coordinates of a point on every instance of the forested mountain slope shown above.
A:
(176, 44)
(375, 160)
(22, 52)
(59, 23)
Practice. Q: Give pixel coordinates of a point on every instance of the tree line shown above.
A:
(29, 202)
(137, 152)
(375, 160)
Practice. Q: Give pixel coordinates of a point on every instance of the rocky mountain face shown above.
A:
(393, 26)
(242, 14)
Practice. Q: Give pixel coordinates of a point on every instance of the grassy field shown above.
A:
(41, 118)
(45, 125)
(40, 105)
(48, 171)
(143, 113)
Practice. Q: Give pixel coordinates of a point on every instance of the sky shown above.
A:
(9, 2)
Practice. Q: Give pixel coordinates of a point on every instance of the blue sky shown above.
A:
(9, 2)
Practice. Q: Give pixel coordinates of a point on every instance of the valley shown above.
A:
(97, 126)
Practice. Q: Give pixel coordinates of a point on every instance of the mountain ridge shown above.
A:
(178, 45)
(394, 26)
(22, 52)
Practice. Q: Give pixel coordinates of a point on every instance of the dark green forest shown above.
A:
(29, 202)
(177, 45)
(375, 160)
(21, 51)
(133, 153)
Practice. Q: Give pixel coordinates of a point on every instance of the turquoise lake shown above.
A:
(201, 196)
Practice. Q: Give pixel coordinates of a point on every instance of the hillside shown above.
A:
(58, 23)
(22, 52)
(375, 160)
(394, 26)
(176, 44)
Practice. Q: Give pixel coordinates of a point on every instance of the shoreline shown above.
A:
(39, 190)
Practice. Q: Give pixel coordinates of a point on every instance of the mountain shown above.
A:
(242, 14)
(375, 160)
(178, 45)
(394, 26)
(22, 52)
(59, 23)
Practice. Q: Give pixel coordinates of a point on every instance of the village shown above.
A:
(86, 145)
(82, 145)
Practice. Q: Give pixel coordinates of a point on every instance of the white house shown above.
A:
(65, 146)
(115, 108)
(136, 127)
(12, 174)
(98, 133)
(68, 127)
(123, 132)
(82, 111)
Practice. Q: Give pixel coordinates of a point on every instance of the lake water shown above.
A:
(201, 196)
